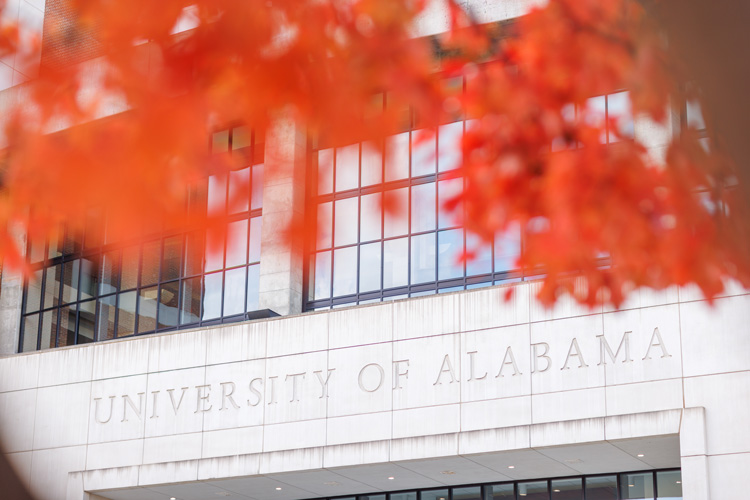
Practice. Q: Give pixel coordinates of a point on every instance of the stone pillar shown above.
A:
(11, 295)
(281, 255)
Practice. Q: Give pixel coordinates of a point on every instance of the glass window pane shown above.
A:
(70, 281)
(168, 304)
(321, 275)
(620, 110)
(422, 153)
(344, 271)
(503, 491)
(234, 291)
(450, 250)
(212, 296)
(109, 273)
(347, 167)
(150, 263)
(325, 171)
(72, 241)
(105, 320)
(147, 306)
(170, 264)
(34, 291)
(447, 190)
(214, 248)
(695, 115)
(637, 486)
(369, 267)
(435, 495)
(324, 226)
(481, 255)
(409, 495)
(601, 488)
(239, 191)
(423, 258)
(596, 112)
(370, 221)
(194, 253)
(89, 278)
(507, 249)
(126, 314)
(346, 214)
(397, 157)
(567, 489)
(395, 263)
(423, 207)
(372, 165)
(237, 243)
(473, 493)
(449, 146)
(52, 286)
(49, 329)
(669, 484)
(190, 309)
(256, 197)
(86, 317)
(36, 250)
(371, 497)
(129, 268)
(253, 284)
(536, 490)
(220, 142)
(217, 194)
(255, 231)
(66, 334)
(241, 137)
(30, 333)
(395, 205)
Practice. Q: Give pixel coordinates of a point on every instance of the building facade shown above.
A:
(369, 366)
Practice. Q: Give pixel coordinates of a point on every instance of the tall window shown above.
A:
(85, 288)
(363, 253)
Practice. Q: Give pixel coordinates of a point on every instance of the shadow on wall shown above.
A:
(11, 485)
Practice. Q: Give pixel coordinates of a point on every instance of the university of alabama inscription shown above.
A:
(257, 390)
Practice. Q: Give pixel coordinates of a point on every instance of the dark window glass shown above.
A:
(89, 278)
(105, 323)
(567, 489)
(66, 334)
(86, 321)
(70, 281)
(171, 260)
(168, 304)
(534, 490)
(637, 486)
(435, 495)
(150, 263)
(503, 491)
(190, 310)
(410, 495)
(126, 314)
(669, 484)
(52, 286)
(49, 329)
(473, 493)
(601, 488)
(30, 333)
(129, 268)
(109, 273)
(34, 292)
(147, 306)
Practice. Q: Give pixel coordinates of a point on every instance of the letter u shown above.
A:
(96, 410)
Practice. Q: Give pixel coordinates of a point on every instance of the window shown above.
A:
(85, 288)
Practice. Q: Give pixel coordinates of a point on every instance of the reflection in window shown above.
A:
(637, 486)
(84, 287)
(669, 484)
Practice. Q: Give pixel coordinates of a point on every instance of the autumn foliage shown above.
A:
(128, 130)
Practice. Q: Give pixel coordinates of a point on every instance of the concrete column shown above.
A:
(11, 295)
(281, 255)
